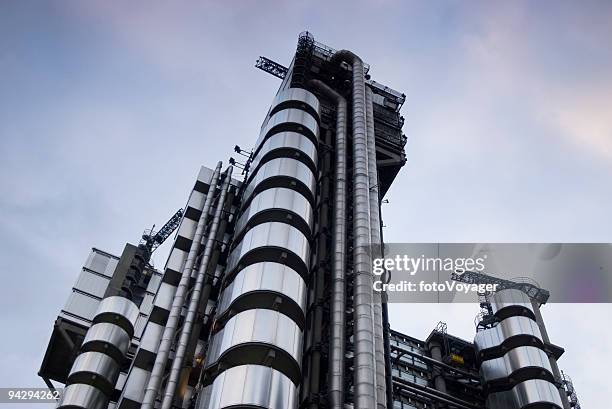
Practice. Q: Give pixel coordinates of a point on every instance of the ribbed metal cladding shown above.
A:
(514, 367)
(534, 393)
(263, 284)
(276, 204)
(282, 172)
(258, 336)
(93, 375)
(271, 241)
(83, 396)
(292, 110)
(296, 98)
(291, 119)
(278, 145)
(531, 360)
(512, 331)
(252, 386)
(511, 302)
(254, 357)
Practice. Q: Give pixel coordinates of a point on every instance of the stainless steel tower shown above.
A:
(266, 298)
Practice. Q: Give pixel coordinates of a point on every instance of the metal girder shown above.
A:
(532, 290)
(271, 67)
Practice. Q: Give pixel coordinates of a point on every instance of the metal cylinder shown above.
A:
(553, 362)
(159, 366)
(364, 362)
(517, 344)
(338, 301)
(194, 300)
(435, 349)
(379, 351)
(93, 375)
(271, 241)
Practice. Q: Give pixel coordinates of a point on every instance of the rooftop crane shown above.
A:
(152, 239)
(530, 288)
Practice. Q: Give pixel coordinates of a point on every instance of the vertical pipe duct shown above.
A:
(317, 281)
(364, 363)
(435, 350)
(179, 299)
(379, 352)
(194, 300)
(553, 362)
(338, 302)
(387, 350)
(386, 328)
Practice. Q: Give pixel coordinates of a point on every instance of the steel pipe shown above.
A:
(194, 299)
(435, 349)
(379, 351)
(159, 366)
(434, 394)
(338, 302)
(364, 362)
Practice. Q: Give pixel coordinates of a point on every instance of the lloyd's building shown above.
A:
(266, 298)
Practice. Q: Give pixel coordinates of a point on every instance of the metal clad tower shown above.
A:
(266, 298)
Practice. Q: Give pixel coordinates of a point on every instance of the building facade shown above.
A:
(266, 299)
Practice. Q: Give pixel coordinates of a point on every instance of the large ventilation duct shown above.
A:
(338, 301)
(155, 379)
(364, 362)
(379, 350)
(435, 350)
(194, 300)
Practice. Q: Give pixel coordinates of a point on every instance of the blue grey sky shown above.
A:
(107, 110)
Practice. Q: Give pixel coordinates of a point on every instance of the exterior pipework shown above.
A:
(435, 394)
(379, 351)
(159, 366)
(435, 349)
(553, 362)
(322, 246)
(194, 300)
(364, 362)
(338, 303)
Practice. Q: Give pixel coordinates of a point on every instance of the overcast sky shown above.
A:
(107, 110)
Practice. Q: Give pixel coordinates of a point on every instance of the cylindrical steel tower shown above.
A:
(255, 355)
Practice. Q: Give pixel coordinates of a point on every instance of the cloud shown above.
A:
(517, 54)
(112, 107)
